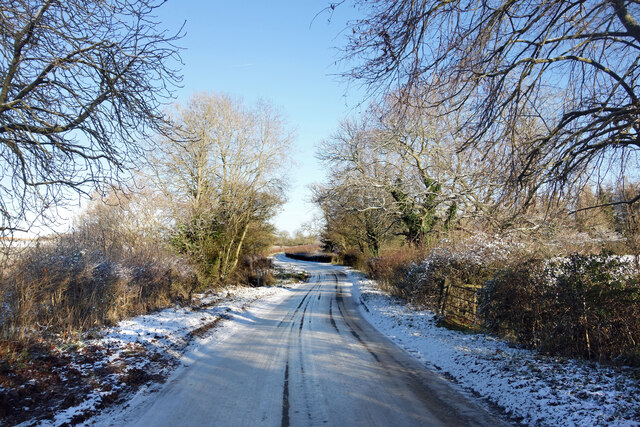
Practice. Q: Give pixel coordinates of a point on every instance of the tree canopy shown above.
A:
(81, 87)
(573, 66)
(221, 169)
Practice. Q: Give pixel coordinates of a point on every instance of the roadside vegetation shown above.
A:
(135, 252)
(493, 177)
(197, 220)
(181, 196)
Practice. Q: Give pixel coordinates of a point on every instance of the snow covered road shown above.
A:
(307, 358)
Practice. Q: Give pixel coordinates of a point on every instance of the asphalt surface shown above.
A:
(311, 360)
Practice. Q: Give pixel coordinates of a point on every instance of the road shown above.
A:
(310, 360)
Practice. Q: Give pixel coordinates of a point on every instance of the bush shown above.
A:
(256, 271)
(446, 280)
(582, 305)
(514, 300)
(596, 308)
(394, 271)
(111, 266)
(61, 288)
(354, 258)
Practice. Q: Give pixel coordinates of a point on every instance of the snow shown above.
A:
(158, 343)
(533, 389)
(168, 330)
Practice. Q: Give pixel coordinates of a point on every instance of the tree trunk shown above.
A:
(239, 247)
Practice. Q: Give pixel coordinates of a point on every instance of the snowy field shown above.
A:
(533, 389)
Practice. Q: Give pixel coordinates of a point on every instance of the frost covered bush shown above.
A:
(452, 268)
(581, 305)
(447, 279)
(596, 308)
(513, 302)
(71, 285)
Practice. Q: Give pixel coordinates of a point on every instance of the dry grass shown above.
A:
(108, 268)
(62, 287)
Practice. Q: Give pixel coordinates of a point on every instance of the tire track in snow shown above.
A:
(285, 398)
(340, 302)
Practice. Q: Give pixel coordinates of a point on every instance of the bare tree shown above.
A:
(409, 164)
(81, 84)
(123, 223)
(222, 170)
(354, 217)
(574, 65)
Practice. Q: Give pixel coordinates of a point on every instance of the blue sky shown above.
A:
(274, 50)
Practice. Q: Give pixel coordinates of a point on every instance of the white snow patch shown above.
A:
(165, 335)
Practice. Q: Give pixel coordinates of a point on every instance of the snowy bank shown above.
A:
(140, 353)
